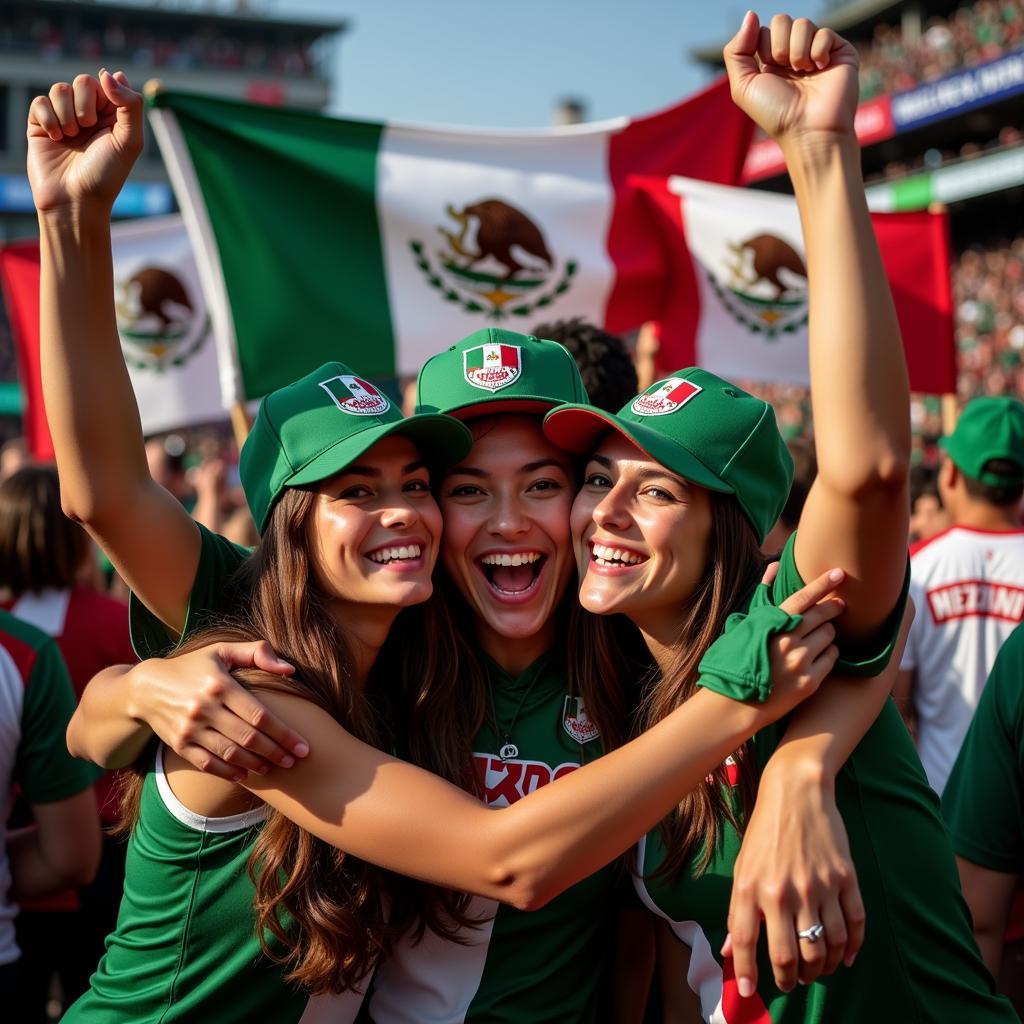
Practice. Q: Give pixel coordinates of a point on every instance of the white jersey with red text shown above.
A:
(968, 588)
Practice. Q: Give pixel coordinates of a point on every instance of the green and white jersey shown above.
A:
(546, 966)
(185, 946)
(919, 961)
(983, 802)
(36, 704)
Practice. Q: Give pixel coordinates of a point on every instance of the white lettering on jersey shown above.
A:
(976, 597)
(505, 782)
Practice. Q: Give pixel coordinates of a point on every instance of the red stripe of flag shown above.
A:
(707, 137)
(508, 355)
(735, 1009)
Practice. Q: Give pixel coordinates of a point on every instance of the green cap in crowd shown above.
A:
(702, 428)
(498, 371)
(988, 428)
(314, 428)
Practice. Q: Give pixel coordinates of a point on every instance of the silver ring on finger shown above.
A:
(814, 933)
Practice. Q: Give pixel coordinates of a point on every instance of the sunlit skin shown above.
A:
(640, 536)
(510, 497)
(381, 503)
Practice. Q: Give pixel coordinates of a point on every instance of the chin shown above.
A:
(410, 594)
(598, 601)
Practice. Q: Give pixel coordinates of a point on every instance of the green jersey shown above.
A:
(185, 947)
(546, 965)
(983, 802)
(919, 961)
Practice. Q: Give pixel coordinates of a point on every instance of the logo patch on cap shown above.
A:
(355, 396)
(666, 396)
(576, 722)
(492, 367)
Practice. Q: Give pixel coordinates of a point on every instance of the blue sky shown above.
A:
(506, 64)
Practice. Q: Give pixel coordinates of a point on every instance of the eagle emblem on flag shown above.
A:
(492, 367)
(355, 396)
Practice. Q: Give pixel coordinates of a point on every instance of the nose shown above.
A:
(611, 512)
(507, 517)
(401, 514)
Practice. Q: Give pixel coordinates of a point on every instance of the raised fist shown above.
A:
(83, 139)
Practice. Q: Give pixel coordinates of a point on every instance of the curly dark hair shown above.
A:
(603, 359)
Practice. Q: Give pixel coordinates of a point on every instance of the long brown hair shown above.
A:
(609, 664)
(325, 915)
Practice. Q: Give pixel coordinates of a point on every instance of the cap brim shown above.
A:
(442, 441)
(580, 428)
(531, 405)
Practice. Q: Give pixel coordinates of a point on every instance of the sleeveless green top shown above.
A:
(185, 947)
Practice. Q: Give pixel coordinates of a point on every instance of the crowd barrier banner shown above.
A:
(321, 238)
(161, 318)
(739, 303)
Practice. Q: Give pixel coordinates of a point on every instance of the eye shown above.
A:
(465, 491)
(544, 485)
(599, 480)
(658, 494)
(417, 486)
(354, 492)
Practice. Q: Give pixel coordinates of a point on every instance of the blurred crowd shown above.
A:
(931, 159)
(973, 34)
(45, 38)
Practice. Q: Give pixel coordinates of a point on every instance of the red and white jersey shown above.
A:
(968, 588)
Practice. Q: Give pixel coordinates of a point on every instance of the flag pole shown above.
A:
(949, 405)
(240, 423)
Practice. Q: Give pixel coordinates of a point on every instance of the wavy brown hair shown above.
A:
(610, 662)
(325, 915)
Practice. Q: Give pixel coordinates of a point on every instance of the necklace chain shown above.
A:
(508, 749)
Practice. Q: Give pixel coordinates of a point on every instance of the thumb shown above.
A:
(740, 53)
(128, 105)
(255, 654)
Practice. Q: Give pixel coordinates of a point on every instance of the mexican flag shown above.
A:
(739, 302)
(378, 244)
(162, 321)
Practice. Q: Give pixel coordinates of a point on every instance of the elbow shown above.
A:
(882, 477)
(523, 890)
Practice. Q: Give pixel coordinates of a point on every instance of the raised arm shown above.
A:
(83, 139)
(804, 94)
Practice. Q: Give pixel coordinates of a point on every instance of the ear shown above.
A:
(949, 475)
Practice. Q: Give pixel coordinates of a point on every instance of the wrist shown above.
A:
(75, 218)
(811, 155)
(800, 769)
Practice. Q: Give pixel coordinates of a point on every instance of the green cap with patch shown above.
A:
(314, 428)
(498, 371)
(701, 427)
(988, 428)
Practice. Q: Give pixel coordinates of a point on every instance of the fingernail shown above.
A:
(300, 749)
(263, 769)
(103, 71)
(850, 959)
(287, 761)
(836, 575)
(745, 987)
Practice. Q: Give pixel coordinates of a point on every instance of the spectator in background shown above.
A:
(13, 455)
(967, 583)
(984, 808)
(603, 360)
(47, 564)
(63, 847)
(928, 517)
(166, 458)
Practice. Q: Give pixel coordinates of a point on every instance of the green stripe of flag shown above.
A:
(291, 200)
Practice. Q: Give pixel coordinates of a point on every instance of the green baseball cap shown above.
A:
(317, 426)
(496, 371)
(988, 428)
(701, 427)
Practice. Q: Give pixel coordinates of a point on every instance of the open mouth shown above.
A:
(512, 576)
(396, 554)
(610, 557)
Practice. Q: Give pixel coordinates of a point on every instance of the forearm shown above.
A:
(858, 369)
(106, 728)
(90, 403)
(39, 870)
(825, 730)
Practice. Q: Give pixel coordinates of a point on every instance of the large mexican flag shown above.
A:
(378, 244)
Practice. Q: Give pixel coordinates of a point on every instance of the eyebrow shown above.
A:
(530, 467)
(372, 472)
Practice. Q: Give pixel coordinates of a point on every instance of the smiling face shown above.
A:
(640, 534)
(506, 527)
(375, 529)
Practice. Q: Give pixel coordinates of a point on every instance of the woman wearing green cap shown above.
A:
(338, 484)
(680, 487)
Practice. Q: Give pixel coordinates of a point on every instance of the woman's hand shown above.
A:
(794, 870)
(83, 139)
(195, 706)
(793, 78)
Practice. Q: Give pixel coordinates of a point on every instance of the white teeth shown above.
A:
(395, 554)
(605, 555)
(519, 558)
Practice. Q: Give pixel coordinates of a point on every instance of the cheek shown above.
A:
(581, 516)
(430, 516)
(555, 524)
(459, 527)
